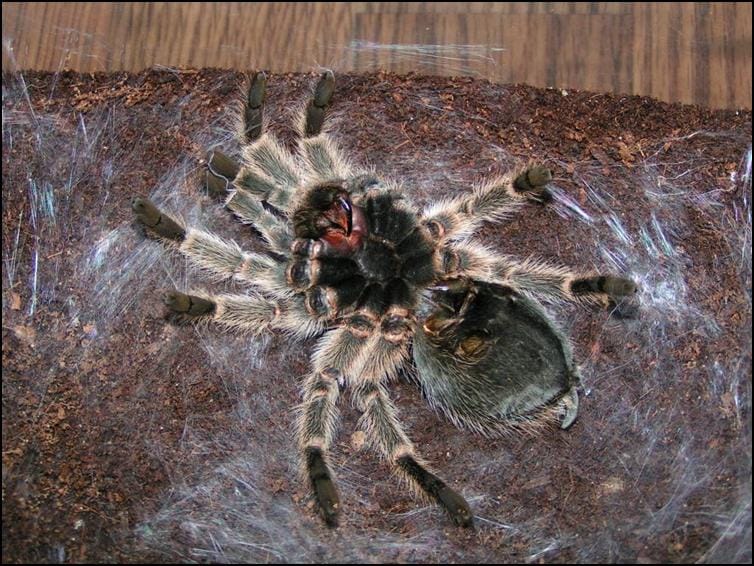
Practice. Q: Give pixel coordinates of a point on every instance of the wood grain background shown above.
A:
(676, 51)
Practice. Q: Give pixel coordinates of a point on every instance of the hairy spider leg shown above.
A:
(381, 426)
(270, 173)
(365, 359)
(219, 257)
(245, 314)
(538, 278)
(322, 159)
(380, 422)
(318, 414)
(492, 200)
(253, 114)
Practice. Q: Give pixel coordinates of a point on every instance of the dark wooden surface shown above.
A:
(677, 51)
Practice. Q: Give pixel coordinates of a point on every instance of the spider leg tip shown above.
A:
(138, 204)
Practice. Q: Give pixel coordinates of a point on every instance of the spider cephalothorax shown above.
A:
(363, 250)
(386, 287)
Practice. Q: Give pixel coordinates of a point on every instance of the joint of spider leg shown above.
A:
(254, 107)
(397, 325)
(336, 375)
(302, 274)
(465, 207)
(312, 442)
(436, 229)
(222, 166)
(362, 323)
(303, 247)
(255, 184)
(221, 171)
(277, 313)
(368, 392)
(155, 220)
(374, 192)
(332, 373)
(451, 261)
(322, 302)
(315, 249)
(359, 184)
(612, 288)
(401, 451)
(323, 383)
(245, 266)
(181, 303)
(316, 109)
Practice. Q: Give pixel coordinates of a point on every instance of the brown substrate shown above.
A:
(96, 412)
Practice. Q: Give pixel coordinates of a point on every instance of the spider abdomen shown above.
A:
(490, 359)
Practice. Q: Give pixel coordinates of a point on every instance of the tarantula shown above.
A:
(354, 262)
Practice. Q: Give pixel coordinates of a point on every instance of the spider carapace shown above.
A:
(386, 287)
(359, 254)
